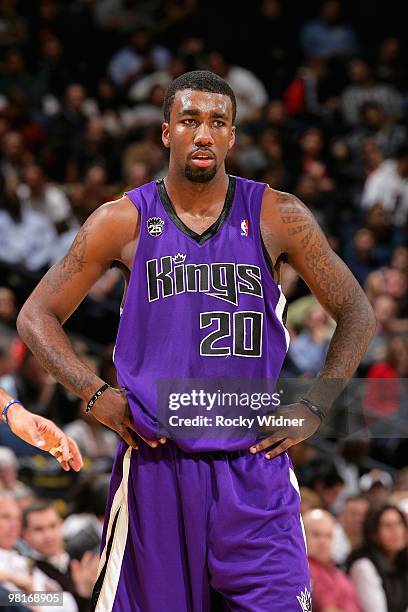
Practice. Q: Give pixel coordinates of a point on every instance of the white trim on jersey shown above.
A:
(114, 562)
(279, 310)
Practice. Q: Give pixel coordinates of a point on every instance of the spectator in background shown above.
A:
(55, 69)
(250, 92)
(141, 90)
(13, 156)
(13, 29)
(332, 589)
(324, 478)
(16, 570)
(95, 147)
(108, 105)
(399, 260)
(388, 186)
(36, 193)
(387, 238)
(138, 58)
(390, 64)
(115, 15)
(8, 475)
(31, 384)
(66, 129)
(348, 530)
(147, 152)
(83, 528)
(379, 568)
(359, 254)
(309, 500)
(328, 36)
(135, 174)
(392, 282)
(385, 310)
(26, 236)
(43, 532)
(371, 156)
(305, 96)
(5, 366)
(383, 392)
(17, 77)
(8, 312)
(313, 161)
(364, 88)
(308, 349)
(321, 200)
(376, 486)
(379, 128)
(149, 112)
(96, 188)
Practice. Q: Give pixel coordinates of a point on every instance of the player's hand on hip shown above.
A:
(47, 436)
(303, 424)
(112, 409)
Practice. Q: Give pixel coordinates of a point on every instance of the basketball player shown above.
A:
(185, 519)
(40, 432)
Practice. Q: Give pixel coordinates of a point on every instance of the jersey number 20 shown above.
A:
(245, 327)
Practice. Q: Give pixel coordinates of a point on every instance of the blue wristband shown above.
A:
(6, 407)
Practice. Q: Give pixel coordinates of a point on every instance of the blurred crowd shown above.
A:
(322, 93)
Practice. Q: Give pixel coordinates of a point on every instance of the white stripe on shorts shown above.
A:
(114, 562)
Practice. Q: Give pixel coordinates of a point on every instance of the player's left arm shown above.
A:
(329, 279)
(289, 227)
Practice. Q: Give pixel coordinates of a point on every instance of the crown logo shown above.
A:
(305, 601)
(179, 258)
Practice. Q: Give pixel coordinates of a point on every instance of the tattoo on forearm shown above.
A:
(338, 288)
(73, 263)
(57, 357)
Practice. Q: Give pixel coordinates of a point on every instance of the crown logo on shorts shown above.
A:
(305, 600)
(179, 258)
(155, 226)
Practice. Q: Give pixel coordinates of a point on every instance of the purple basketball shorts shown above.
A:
(181, 528)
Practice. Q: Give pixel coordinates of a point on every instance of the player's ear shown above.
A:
(232, 138)
(166, 135)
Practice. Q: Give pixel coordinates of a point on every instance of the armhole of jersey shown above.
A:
(283, 258)
(134, 201)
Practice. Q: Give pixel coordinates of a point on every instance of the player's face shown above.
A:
(199, 134)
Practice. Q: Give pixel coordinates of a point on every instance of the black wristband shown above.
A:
(96, 397)
(313, 407)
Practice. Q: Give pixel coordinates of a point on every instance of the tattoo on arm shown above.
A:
(73, 263)
(339, 290)
(57, 357)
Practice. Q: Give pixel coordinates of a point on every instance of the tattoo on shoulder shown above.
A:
(71, 264)
(320, 260)
(298, 218)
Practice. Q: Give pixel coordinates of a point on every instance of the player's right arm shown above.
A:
(110, 234)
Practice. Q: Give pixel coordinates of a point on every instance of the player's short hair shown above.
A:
(198, 80)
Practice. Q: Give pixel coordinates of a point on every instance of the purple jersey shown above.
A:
(198, 305)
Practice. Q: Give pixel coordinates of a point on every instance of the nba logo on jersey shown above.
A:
(244, 228)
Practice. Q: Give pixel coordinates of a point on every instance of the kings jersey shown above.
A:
(198, 305)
